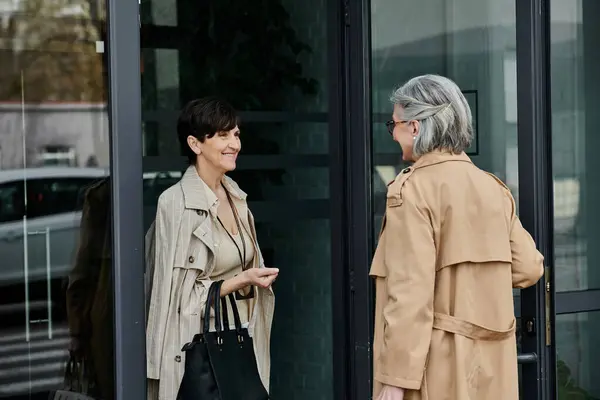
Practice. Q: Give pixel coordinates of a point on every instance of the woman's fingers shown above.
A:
(267, 281)
(267, 271)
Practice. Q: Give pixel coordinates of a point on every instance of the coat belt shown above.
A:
(468, 329)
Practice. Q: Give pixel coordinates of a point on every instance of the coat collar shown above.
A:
(198, 196)
(439, 156)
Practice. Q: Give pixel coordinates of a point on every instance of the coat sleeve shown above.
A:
(150, 246)
(164, 244)
(410, 258)
(527, 261)
(202, 286)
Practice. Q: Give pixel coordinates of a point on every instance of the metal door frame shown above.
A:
(536, 192)
(359, 215)
(127, 197)
(126, 188)
(352, 116)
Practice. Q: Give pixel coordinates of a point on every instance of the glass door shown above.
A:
(276, 64)
(55, 231)
(479, 45)
(575, 94)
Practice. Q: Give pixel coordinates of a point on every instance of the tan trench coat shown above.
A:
(450, 251)
(180, 256)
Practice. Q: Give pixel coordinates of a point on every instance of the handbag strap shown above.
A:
(218, 325)
(210, 299)
(225, 313)
(236, 314)
(214, 297)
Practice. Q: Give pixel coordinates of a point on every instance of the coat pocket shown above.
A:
(193, 296)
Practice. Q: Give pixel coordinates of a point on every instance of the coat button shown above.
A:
(178, 358)
(191, 259)
(406, 170)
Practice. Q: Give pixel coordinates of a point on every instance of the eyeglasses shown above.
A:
(391, 125)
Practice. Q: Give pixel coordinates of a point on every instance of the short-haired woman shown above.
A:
(451, 250)
(203, 232)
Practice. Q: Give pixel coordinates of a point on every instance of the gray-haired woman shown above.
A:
(450, 251)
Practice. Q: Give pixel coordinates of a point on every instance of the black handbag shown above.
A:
(221, 365)
(78, 384)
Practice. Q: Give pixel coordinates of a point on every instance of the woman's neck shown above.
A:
(209, 175)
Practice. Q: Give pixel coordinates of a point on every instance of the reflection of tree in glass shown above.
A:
(249, 53)
(244, 51)
(49, 53)
(567, 387)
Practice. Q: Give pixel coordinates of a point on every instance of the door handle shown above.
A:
(547, 299)
(527, 358)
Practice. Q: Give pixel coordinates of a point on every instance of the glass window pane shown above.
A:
(577, 352)
(55, 220)
(574, 85)
(575, 82)
(472, 43)
(271, 64)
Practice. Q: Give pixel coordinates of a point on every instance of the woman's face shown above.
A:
(404, 132)
(219, 151)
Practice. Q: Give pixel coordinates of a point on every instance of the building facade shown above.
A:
(89, 95)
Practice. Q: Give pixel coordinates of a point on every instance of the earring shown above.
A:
(414, 138)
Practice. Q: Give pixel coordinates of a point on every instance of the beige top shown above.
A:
(227, 265)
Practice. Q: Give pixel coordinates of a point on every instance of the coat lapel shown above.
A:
(204, 232)
(200, 198)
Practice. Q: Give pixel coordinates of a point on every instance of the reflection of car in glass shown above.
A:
(40, 218)
(40, 214)
(50, 213)
(40, 210)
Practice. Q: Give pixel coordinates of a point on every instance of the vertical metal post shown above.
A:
(48, 281)
(26, 271)
(358, 193)
(127, 205)
(535, 182)
(339, 228)
(25, 227)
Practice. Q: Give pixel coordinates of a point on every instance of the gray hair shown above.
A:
(442, 110)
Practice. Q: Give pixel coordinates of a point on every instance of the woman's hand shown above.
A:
(261, 277)
(391, 393)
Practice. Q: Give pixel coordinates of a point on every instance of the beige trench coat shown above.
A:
(180, 256)
(450, 251)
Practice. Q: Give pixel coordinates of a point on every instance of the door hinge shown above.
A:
(347, 12)
(547, 300)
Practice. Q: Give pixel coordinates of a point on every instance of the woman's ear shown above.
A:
(194, 144)
(415, 126)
